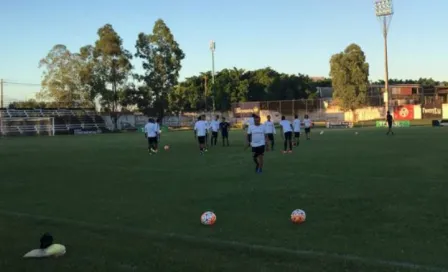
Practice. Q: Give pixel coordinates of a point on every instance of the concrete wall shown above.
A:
(364, 114)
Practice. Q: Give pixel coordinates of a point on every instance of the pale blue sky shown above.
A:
(291, 36)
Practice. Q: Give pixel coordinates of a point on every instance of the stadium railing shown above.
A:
(47, 121)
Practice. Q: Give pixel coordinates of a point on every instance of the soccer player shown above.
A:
(224, 127)
(270, 131)
(296, 125)
(200, 130)
(258, 142)
(250, 122)
(214, 126)
(307, 123)
(286, 128)
(207, 128)
(151, 133)
(390, 121)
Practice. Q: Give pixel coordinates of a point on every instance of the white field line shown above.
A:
(235, 244)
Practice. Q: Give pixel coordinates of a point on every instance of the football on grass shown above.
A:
(208, 218)
(166, 147)
(298, 216)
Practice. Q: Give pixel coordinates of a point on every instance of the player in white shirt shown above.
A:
(286, 128)
(249, 122)
(270, 131)
(258, 143)
(151, 133)
(200, 132)
(214, 127)
(296, 125)
(307, 123)
(207, 129)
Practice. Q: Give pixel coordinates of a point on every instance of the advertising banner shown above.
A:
(404, 112)
(395, 124)
(432, 111)
(245, 109)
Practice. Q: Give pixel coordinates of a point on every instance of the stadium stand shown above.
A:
(15, 122)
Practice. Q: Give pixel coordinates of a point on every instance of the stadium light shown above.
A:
(384, 12)
(212, 49)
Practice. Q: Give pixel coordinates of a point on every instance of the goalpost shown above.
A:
(17, 126)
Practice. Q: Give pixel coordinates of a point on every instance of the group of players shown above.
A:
(261, 136)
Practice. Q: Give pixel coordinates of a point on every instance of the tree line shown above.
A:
(102, 73)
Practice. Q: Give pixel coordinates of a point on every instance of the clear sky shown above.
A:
(291, 36)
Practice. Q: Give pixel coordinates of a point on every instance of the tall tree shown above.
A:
(349, 72)
(61, 79)
(109, 64)
(161, 57)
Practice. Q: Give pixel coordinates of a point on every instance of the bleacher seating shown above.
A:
(66, 121)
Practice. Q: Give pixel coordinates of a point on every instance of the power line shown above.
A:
(21, 83)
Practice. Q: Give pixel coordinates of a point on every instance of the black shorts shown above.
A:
(201, 139)
(307, 130)
(152, 140)
(259, 150)
(215, 134)
(225, 134)
(249, 138)
(389, 124)
(297, 134)
(288, 135)
(270, 136)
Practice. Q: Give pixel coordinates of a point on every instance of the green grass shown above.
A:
(370, 200)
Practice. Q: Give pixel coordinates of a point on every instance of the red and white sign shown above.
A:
(405, 112)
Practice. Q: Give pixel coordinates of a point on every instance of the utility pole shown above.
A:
(384, 12)
(212, 49)
(1, 93)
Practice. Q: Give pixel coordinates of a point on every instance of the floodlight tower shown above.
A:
(384, 12)
(212, 49)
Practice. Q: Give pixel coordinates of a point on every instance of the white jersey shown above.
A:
(207, 125)
(296, 125)
(158, 128)
(201, 128)
(258, 135)
(215, 125)
(250, 122)
(307, 123)
(269, 127)
(151, 130)
(286, 125)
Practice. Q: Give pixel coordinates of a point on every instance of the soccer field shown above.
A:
(373, 203)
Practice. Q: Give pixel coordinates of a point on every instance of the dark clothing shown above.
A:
(224, 127)
(389, 118)
(259, 150)
(307, 130)
(152, 140)
(214, 138)
(296, 134)
(288, 139)
(201, 139)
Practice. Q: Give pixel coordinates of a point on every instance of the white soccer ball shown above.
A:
(322, 132)
(208, 218)
(298, 216)
(356, 133)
